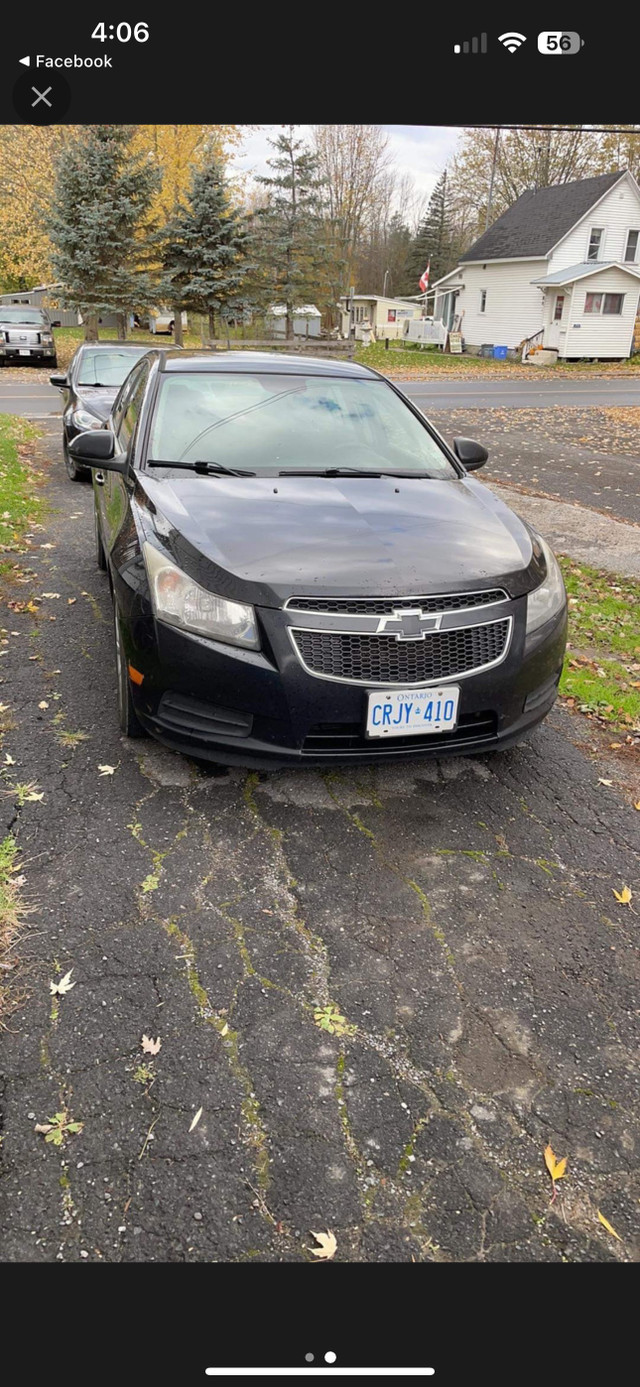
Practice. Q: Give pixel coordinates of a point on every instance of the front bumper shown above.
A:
(8, 352)
(263, 709)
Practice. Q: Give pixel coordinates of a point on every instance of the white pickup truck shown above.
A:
(25, 335)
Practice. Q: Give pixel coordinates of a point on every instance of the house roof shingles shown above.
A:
(538, 220)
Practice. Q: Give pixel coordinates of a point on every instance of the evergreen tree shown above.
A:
(433, 241)
(205, 254)
(290, 240)
(101, 199)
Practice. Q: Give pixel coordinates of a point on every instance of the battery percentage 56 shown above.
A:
(556, 42)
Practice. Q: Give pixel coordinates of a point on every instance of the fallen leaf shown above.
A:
(604, 782)
(34, 796)
(71, 600)
(43, 704)
(623, 896)
(51, 594)
(107, 770)
(555, 1167)
(637, 806)
(196, 1119)
(63, 986)
(225, 1029)
(151, 1047)
(43, 1127)
(47, 546)
(9, 761)
(605, 1224)
(328, 1245)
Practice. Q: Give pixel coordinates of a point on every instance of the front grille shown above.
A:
(373, 659)
(386, 606)
(335, 738)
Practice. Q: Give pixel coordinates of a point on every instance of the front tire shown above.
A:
(130, 726)
(74, 473)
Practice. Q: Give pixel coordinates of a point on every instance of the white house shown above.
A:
(560, 268)
(386, 317)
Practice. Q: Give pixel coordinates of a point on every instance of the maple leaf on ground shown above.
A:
(624, 896)
(107, 770)
(150, 1047)
(63, 986)
(327, 1248)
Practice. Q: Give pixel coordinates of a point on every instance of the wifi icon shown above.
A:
(512, 41)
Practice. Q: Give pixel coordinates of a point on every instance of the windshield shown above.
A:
(19, 314)
(102, 367)
(276, 423)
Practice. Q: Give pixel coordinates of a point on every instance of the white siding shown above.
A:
(618, 212)
(514, 305)
(601, 334)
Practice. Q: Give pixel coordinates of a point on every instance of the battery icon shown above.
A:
(556, 42)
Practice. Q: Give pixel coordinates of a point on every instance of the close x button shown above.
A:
(41, 100)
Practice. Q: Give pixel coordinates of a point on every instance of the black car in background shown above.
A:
(89, 388)
(304, 573)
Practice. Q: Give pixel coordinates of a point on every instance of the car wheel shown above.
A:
(74, 473)
(101, 558)
(127, 715)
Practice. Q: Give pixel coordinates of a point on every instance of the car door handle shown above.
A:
(100, 478)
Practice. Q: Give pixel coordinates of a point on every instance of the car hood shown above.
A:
(272, 538)
(96, 399)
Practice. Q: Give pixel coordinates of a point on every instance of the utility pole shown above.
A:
(494, 162)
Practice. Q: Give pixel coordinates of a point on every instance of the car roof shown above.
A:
(266, 363)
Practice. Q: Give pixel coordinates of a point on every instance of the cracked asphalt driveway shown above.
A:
(453, 922)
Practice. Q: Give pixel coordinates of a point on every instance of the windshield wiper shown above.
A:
(346, 472)
(205, 468)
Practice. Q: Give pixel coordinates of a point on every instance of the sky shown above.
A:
(421, 150)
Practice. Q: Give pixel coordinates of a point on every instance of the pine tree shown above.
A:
(290, 242)
(102, 194)
(205, 254)
(432, 241)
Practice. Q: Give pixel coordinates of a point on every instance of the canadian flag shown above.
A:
(424, 279)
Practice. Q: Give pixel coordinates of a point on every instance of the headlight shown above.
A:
(181, 602)
(550, 596)
(84, 420)
(46, 339)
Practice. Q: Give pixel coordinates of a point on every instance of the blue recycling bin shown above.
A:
(500, 353)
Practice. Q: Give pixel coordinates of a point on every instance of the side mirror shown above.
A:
(97, 448)
(59, 381)
(472, 455)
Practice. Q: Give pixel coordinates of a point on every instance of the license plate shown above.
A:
(24, 351)
(406, 713)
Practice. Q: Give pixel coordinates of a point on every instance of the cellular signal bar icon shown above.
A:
(474, 45)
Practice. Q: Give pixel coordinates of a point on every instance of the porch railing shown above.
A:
(535, 340)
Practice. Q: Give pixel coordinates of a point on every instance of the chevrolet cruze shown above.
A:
(303, 572)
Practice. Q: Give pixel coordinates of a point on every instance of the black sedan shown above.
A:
(89, 388)
(304, 573)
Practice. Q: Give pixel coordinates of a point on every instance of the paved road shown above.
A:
(37, 400)
(521, 394)
(458, 915)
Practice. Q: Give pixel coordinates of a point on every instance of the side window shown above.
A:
(130, 409)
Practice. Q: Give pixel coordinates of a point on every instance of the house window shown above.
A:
(558, 308)
(595, 242)
(604, 303)
(631, 251)
(483, 300)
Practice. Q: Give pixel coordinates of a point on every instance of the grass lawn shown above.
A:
(20, 500)
(601, 675)
(403, 359)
